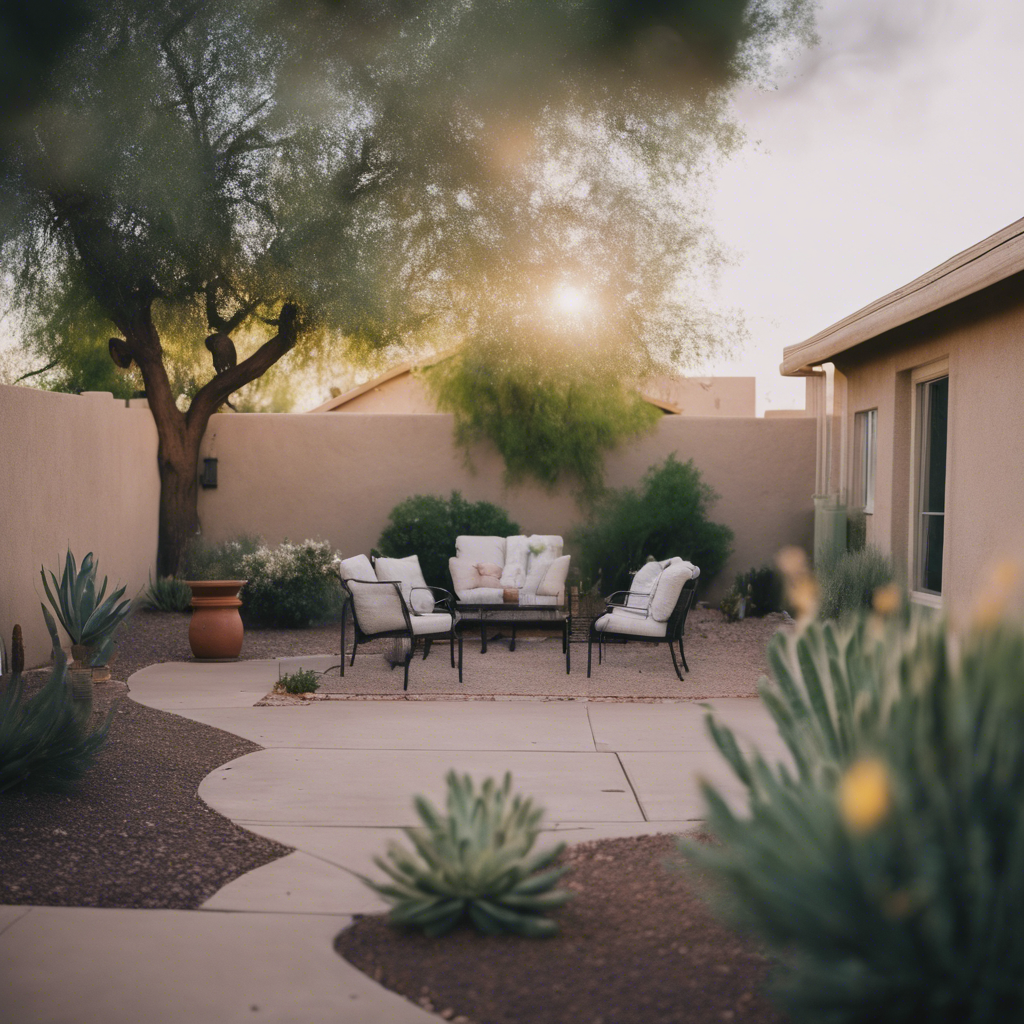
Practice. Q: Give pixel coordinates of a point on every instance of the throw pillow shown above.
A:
(490, 574)
(407, 572)
(670, 583)
(553, 583)
(516, 553)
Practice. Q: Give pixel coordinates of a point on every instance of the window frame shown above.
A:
(920, 378)
(864, 459)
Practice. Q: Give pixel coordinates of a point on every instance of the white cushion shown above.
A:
(538, 571)
(624, 622)
(407, 572)
(438, 622)
(482, 595)
(464, 575)
(552, 546)
(517, 554)
(646, 578)
(378, 606)
(481, 549)
(554, 580)
(666, 594)
(357, 568)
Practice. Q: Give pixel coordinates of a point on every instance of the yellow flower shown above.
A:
(887, 599)
(865, 795)
(792, 562)
(990, 608)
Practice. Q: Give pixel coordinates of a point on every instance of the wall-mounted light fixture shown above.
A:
(208, 477)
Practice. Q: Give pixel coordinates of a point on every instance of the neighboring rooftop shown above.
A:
(997, 257)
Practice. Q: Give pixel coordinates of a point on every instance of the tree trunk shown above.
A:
(178, 461)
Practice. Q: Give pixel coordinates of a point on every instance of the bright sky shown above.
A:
(893, 146)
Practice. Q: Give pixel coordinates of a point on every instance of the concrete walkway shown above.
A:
(336, 781)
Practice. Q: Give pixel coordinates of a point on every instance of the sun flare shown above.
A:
(570, 299)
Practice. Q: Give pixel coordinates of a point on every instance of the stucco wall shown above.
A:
(338, 477)
(983, 339)
(78, 470)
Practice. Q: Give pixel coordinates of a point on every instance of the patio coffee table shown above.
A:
(516, 613)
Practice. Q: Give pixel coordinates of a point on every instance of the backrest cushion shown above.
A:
(517, 553)
(553, 583)
(378, 606)
(646, 578)
(670, 584)
(408, 573)
(481, 549)
(357, 567)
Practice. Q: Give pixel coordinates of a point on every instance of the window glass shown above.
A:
(865, 444)
(933, 411)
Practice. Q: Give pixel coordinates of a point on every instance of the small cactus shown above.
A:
(17, 651)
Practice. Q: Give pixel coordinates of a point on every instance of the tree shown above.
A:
(367, 173)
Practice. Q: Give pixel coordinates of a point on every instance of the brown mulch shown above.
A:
(133, 832)
(638, 945)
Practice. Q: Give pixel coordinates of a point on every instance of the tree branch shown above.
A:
(212, 395)
(35, 373)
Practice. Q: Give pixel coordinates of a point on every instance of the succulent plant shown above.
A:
(86, 617)
(887, 872)
(474, 863)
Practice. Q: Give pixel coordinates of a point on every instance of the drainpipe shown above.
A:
(829, 509)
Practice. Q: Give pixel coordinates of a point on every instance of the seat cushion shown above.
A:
(645, 579)
(670, 585)
(482, 595)
(357, 567)
(407, 573)
(438, 622)
(481, 549)
(634, 625)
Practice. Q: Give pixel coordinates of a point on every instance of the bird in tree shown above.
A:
(363, 177)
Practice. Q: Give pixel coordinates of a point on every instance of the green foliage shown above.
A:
(291, 586)
(847, 582)
(666, 516)
(885, 873)
(86, 616)
(856, 529)
(221, 560)
(426, 525)
(45, 741)
(303, 681)
(763, 590)
(167, 594)
(476, 862)
(548, 419)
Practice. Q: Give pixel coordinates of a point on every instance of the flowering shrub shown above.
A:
(290, 585)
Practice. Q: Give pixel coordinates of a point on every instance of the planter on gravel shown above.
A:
(216, 629)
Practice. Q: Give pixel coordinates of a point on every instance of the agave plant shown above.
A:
(45, 741)
(476, 862)
(167, 594)
(86, 617)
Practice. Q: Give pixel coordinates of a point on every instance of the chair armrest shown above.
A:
(624, 605)
(447, 598)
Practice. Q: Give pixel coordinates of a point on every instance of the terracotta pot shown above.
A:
(80, 683)
(216, 629)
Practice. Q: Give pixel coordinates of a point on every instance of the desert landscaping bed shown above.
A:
(637, 945)
(133, 833)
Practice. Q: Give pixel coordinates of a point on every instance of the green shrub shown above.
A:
(762, 589)
(167, 594)
(206, 560)
(476, 862)
(303, 681)
(291, 585)
(666, 515)
(426, 525)
(856, 529)
(886, 872)
(847, 582)
(45, 741)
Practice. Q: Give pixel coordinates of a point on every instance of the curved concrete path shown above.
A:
(335, 781)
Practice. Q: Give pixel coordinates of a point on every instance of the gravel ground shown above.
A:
(726, 660)
(132, 833)
(637, 944)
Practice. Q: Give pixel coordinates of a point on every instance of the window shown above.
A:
(932, 400)
(865, 447)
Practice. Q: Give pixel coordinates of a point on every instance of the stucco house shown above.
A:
(920, 405)
(402, 390)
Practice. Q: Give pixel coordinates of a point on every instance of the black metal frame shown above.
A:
(673, 631)
(563, 618)
(452, 635)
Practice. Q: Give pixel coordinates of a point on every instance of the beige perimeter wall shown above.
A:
(338, 477)
(982, 338)
(78, 470)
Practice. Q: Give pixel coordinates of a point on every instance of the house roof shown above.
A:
(997, 257)
(396, 371)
